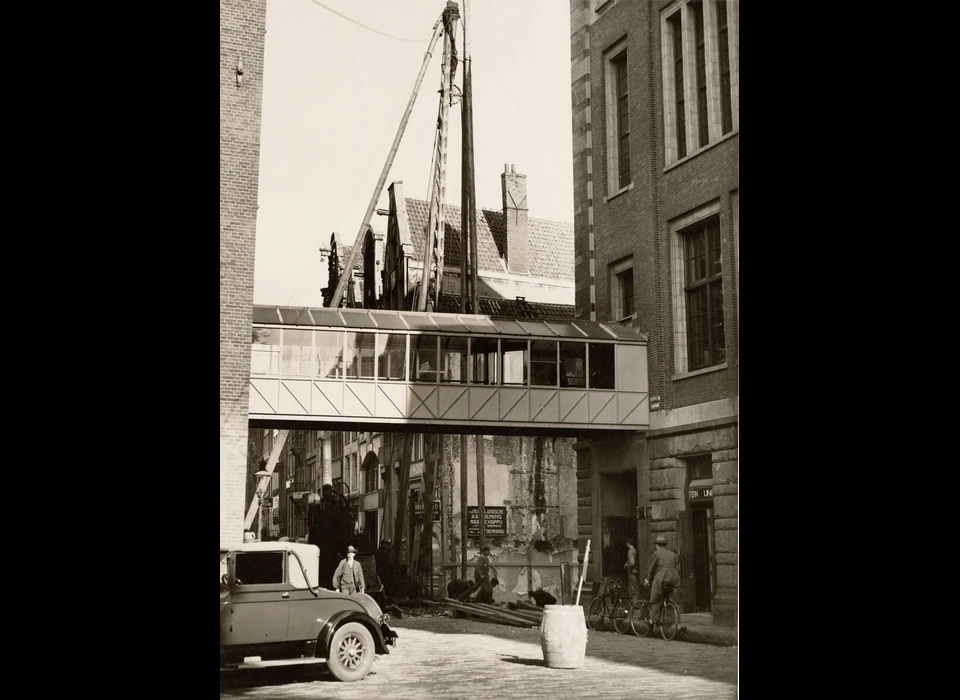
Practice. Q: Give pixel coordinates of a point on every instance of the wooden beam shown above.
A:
(265, 481)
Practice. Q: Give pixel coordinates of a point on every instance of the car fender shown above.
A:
(341, 618)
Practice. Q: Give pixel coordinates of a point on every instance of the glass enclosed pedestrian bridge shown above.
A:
(444, 372)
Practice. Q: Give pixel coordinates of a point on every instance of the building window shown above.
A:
(360, 351)
(297, 352)
(392, 360)
(573, 365)
(417, 452)
(680, 114)
(371, 479)
(726, 105)
(699, 467)
(697, 289)
(618, 119)
(601, 366)
(701, 66)
(700, 56)
(621, 290)
(703, 289)
(543, 363)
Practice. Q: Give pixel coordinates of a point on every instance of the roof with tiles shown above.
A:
(551, 242)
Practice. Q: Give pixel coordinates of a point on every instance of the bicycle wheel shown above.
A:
(669, 620)
(595, 614)
(639, 618)
(621, 614)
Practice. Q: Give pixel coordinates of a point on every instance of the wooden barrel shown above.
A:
(563, 636)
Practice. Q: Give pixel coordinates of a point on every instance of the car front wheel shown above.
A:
(351, 652)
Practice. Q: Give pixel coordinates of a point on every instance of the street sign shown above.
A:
(418, 510)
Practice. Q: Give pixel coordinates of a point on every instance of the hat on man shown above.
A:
(249, 537)
(351, 550)
(661, 539)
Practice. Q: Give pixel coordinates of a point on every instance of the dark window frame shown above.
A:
(701, 56)
(703, 293)
(677, 25)
(621, 78)
(726, 102)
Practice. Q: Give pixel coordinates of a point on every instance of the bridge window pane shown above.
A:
(513, 354)
(424, 349)
(297, 353)
(360, 348)
(543, 363)
(265, 351)
(483, 360)
(601, 366)
(573, 364)
(329, 351)
(393, 356)
(453, 359)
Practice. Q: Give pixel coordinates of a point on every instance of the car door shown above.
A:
(260, 599)
(308, 613)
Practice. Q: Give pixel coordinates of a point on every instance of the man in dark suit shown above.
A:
(663, 572)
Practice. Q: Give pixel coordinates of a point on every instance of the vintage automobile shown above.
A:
(274, 611)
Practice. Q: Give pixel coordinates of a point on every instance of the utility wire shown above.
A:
(375, 31)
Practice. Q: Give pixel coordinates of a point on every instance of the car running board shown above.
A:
(277, 662)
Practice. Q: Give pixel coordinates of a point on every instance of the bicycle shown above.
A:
(668, 620)
(610, 605)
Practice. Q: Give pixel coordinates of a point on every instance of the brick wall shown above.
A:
(242, 30)
(609, 226)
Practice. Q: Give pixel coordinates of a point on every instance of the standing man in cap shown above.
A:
(663, 571)
(633, 571)
(348, 577)
(481, 571)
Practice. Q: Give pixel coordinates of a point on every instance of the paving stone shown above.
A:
(441, 657)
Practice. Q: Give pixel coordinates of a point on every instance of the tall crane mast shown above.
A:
(441, 26)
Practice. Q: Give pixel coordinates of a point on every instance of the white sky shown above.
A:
(333, 96)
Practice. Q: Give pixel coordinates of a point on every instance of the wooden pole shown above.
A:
(433, 248)
(583, 571)
(264, 483)
(469, 213)
(402, 498)
(467, 224)
(463, 505)
(348, 268)
(433, 445)
(481, 496)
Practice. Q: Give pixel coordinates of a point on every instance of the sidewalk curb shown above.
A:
(699, 635)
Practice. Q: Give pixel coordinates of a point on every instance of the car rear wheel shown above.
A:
(351, 652)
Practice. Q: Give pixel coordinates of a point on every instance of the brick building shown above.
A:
(655, 95)
(242, 29)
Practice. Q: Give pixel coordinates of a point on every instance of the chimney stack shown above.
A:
(514, 188)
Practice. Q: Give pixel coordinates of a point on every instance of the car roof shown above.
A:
(300, 548)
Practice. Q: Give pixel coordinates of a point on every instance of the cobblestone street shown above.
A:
(440, 657)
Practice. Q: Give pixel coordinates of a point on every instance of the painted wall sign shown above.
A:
(699, 494)
(495, 517)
